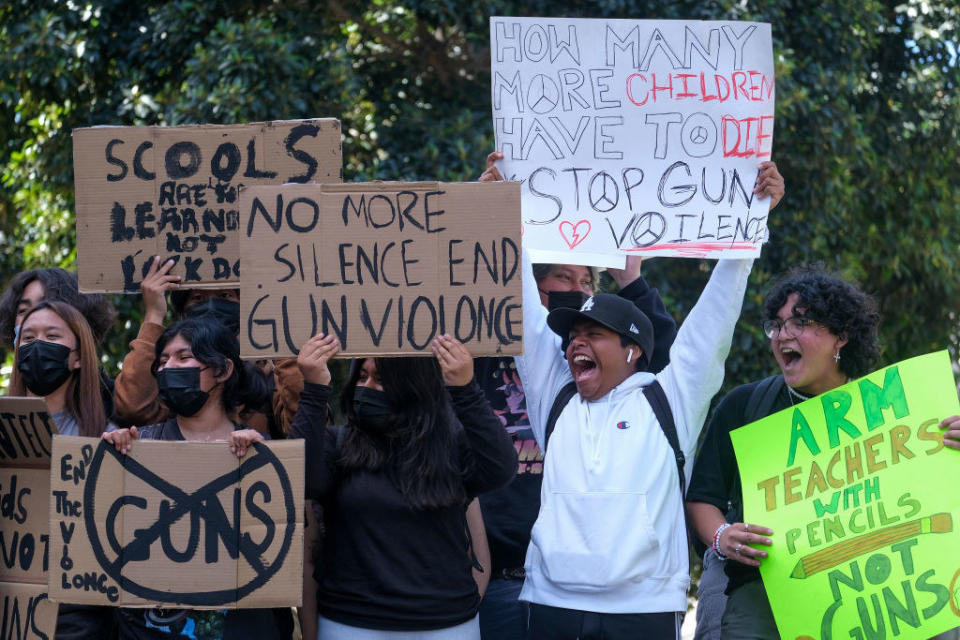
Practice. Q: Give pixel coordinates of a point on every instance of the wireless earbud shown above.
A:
(630, 356)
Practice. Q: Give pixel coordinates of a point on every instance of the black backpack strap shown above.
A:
(661, 409)
(759, 405)
(762, 398)
(566, 393)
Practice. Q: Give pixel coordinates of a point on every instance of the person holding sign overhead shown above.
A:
(202, 380)
(419, 444)
(822, 332)
(608, 553)
(136, 397)
(509, 513)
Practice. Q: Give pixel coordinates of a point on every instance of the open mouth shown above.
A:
(790, 356)
(582, 367)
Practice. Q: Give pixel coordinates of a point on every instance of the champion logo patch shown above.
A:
(633, 328)
(623, 425)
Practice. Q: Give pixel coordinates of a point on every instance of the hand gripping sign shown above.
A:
(634, 135)
(176, 523)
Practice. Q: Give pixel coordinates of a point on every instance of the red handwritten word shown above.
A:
(751, 86)
(697, 249)
(750, 141)
(576, 236)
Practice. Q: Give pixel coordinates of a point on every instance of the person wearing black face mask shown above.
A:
(29, 288)
(136, 396)
(202, 380)
(57, 360)
(419, 444)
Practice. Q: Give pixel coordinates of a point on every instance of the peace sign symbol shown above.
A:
(542, 94)
(609, 194)
(649, 229)
(698, 135)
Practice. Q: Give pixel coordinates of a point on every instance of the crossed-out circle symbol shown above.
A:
(698, 135)
(542, 94)
(184, 504)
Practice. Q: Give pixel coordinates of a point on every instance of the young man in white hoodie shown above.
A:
(608, 555)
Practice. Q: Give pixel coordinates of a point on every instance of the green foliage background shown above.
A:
(868, 115)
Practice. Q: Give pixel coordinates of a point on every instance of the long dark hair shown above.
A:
(59, 285)
(421, 455)
(213, 345)
(839, 305)
(83, 400)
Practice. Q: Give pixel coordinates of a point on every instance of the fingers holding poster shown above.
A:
(176, 523)
(848, 481)
(650, 132)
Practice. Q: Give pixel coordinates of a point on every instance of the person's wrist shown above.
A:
(317, 378)
(716, 540)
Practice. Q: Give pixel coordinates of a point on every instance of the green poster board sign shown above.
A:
(864, 503)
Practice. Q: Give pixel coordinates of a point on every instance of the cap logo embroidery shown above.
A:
(633, 328)
(623, 425)
(587, 305)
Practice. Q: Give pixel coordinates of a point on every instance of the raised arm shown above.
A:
(542, 367)
(310, 423)
(288, 385)
(695, 372)
(135, 396)
(493, 458)
(635, 288)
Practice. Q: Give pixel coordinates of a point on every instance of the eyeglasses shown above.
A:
(792, 326)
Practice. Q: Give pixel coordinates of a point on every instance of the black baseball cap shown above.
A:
(613, 312)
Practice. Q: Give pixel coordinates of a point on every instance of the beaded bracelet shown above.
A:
(716, 540)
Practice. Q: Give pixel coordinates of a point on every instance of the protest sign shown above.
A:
(634, 135)
(857, 487)
(176, 524)
(172, 192)
(25, 433)
(385, 267)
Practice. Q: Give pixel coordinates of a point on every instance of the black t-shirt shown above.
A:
(716, 479)
(221, 624)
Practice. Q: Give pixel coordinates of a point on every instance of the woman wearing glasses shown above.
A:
(823, 332)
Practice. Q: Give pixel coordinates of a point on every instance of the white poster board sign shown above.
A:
(634, 135)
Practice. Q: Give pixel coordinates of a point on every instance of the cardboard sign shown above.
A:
(859, 491)
(634, 135)
(384, 266)
(172, 192)
(176, 524)
(25, 444)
